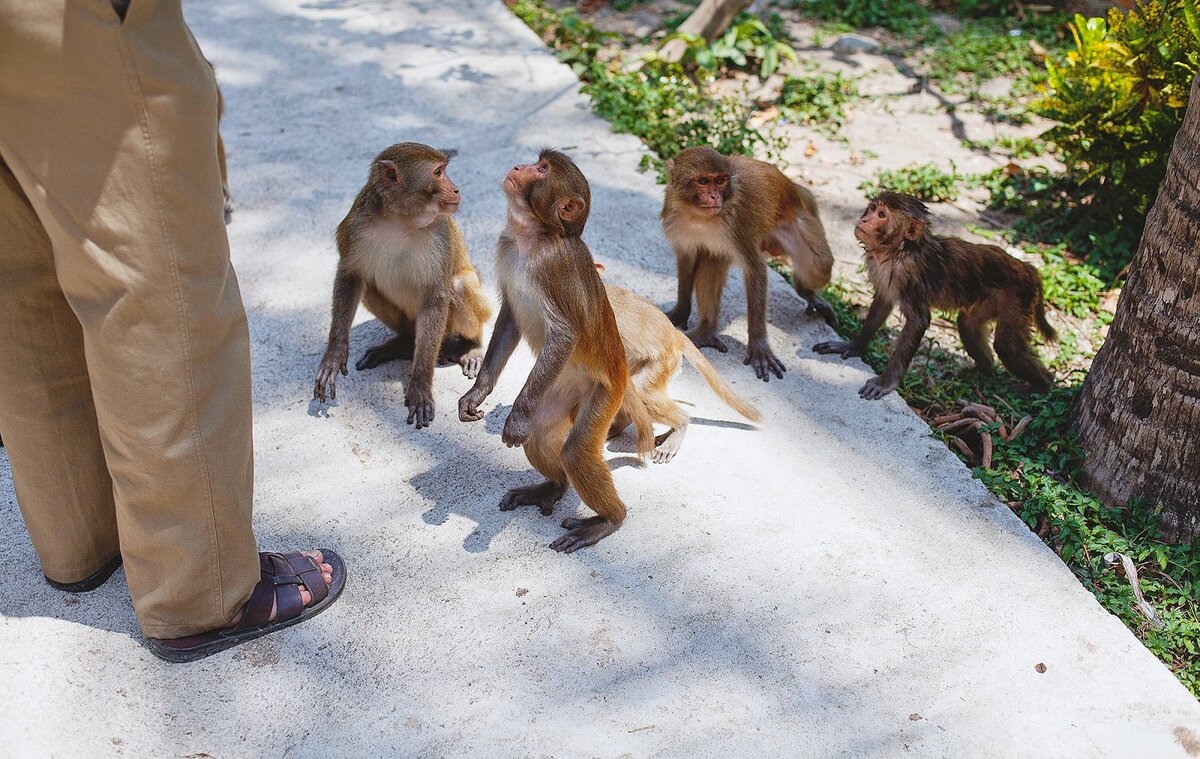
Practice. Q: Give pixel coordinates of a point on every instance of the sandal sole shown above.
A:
(92, 581)
(223, 640)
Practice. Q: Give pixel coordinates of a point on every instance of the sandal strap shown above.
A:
(282, 576)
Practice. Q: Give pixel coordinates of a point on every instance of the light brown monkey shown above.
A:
(552, 296)
(917, 271)
(722, 210)
(401, 254)
(654, 349)
(221, 150)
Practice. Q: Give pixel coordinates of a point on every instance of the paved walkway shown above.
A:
(833, 583)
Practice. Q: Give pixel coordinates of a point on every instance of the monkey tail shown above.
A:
(718, 383)
(635, 405)
(1039, 313)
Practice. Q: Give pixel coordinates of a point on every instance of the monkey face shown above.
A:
(553, 192)
(872, 225)
(700, 176)
(708, 192)
(413, 182)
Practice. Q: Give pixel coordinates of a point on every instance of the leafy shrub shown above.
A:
(988, 48)
(819, 100)
(657, 102)
(1119, 97)
(1055, 210)
(748, 44)
(906, 17)
(926, 181)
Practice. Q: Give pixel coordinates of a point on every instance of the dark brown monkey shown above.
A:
(721, 210)
(917, 271)
(401, 254)
(654, 349)
(552, 296)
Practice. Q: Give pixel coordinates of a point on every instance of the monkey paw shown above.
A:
(816, 307)
(582, 533)
(543, 495)
(668, 445)
(765, 363)
(679, 317)
(707, 340)
(471, 362)
(420, 408)
(876, 388)
(841, 348)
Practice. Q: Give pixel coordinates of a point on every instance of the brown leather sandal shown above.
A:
(283, 574)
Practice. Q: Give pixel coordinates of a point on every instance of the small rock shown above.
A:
(852, 44)
(1040, 668)
(522, 591)
(914, 716)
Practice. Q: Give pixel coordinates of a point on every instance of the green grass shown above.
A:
(819, 100)
(927, 181)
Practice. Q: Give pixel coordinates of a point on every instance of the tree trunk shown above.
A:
(710, 20)
(1138, 416)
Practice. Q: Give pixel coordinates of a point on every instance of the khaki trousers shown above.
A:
(124, 353)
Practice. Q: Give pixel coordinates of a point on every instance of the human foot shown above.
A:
(293, 587)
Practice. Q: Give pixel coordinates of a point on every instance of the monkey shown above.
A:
(654, 349)
(723, 210)
(910, 267)
(221, 149)
(552, 297)
(401, 254)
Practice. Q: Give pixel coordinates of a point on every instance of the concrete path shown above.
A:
(832, 584)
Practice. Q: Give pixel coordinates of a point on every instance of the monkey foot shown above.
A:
(392, 350)
(842, 348)
(765, 362)
(707, 340)
(679, 317)
(667, 445)
(543, 495)
(582, 533)
(876, 388)
(817, 306)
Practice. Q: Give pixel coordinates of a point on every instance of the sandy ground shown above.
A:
(833, 582)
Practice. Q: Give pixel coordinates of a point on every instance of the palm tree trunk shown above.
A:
(1138, 416)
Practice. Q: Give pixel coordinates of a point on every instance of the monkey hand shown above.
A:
(517, 427)
(468, 405)
(842, 348)
(877, 387)
(420, 406)
(764, 361)
(333, 362)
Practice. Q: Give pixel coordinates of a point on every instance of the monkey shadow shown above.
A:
(478, 486)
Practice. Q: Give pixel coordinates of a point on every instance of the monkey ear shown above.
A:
(448, 152)
(914, 230)
(389, 173)
(572, 210)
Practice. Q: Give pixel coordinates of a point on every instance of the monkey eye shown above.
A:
(542, 168)
(882, 215)
(437, 172)
(703, 181)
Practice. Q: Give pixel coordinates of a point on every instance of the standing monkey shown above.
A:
(552, 296)
(654, 349)
(721, 210)
(401, 254)
(912, 268)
